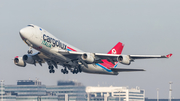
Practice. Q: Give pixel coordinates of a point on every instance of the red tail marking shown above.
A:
(117, 49)
(169, 55)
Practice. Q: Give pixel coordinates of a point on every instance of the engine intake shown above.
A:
(28, 59)
(88, 57)
(19, 62)
(124, 59)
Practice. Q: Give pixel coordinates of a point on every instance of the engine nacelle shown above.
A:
(88, 57)
(124, 59)
(28, 59)
(19, 61)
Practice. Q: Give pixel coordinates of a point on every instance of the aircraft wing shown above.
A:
(105, 56)
(96, 56)
(125, 70)
(149, 56)
(110, 57)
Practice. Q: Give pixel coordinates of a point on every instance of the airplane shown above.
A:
(56, 52)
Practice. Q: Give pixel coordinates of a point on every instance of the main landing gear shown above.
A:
(74, 70)
(64, 71)
(77, 69)
(51, 69)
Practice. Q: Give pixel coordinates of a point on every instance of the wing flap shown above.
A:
(125, 70)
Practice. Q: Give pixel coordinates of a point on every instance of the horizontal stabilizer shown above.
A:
(169, 55)
(125, 70)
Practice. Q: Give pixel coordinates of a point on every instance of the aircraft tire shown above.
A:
(79, 68)
(29, 51)
(75, 71)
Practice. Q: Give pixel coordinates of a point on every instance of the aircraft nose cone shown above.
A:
(22, 33)
(25, 33)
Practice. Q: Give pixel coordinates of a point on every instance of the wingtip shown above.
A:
(142, 70)
(169, 55)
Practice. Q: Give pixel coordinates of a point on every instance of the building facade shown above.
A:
(34, 90)
(68, 91)
(114, 94)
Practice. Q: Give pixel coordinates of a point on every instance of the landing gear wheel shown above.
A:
(79, 68)
(29, 51)
(66, 72)
(62, 70)
(75, 71)
(51, 69)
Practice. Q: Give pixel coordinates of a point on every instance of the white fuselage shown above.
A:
(49, 45)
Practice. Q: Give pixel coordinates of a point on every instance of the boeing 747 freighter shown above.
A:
(56, 52)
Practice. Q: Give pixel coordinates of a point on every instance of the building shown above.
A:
(161, 99)
(5, 96)
(33, 90)
(68, 91)
(114, 94)
(29, 90)
(26, 88)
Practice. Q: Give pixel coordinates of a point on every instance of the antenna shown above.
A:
(170, 90)
(157, 94)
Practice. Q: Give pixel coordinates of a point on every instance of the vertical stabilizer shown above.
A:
(107, 65)
(117, 49)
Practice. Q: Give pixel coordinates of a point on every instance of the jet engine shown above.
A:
(19, 61)
(28, 59)
(124, 59)
(88, 57)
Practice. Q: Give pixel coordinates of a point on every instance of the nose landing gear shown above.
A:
(30, 50)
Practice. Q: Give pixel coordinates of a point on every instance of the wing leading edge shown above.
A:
(149, 56)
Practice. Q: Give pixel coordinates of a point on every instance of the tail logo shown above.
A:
(113, 51)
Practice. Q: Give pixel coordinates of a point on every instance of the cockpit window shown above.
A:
(31, 25)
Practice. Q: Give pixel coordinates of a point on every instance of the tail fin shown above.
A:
(117, 49)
